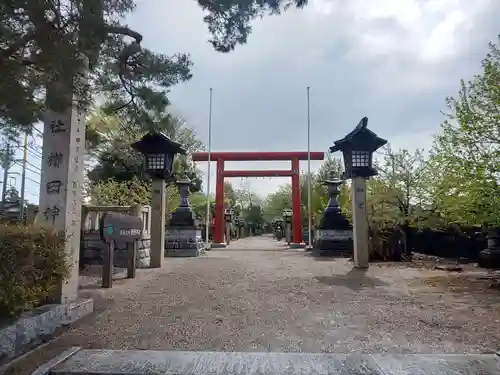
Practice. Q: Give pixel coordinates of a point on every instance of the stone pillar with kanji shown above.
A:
(61, 187)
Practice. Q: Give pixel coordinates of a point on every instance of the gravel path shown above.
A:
(243, 299)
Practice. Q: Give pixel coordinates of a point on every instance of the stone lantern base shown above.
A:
(333, 242)
(183, 238)
(334, 236)
(490, 257)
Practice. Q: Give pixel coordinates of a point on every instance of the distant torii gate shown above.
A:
(294, 172)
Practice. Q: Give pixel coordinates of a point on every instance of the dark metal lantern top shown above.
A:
(158, 150)
(358, 147)
(361, 138)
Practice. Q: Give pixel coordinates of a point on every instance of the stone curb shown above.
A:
(45, 368)
(138, 362)
(40, 325)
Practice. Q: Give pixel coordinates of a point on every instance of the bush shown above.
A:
(32, 265)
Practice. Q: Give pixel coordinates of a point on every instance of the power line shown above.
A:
(33, 165)
(32, 171)
(36, 130)
(36, 182)
(33, 155)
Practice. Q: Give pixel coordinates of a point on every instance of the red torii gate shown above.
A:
(294, 173)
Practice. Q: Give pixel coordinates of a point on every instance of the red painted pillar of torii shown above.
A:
(221, 157)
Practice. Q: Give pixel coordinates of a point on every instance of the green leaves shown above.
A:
(43, 42)
(114, 158)
(466, 153)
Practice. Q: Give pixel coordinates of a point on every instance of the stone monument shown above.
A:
(183, 238)
(334, 235)
(61, 184)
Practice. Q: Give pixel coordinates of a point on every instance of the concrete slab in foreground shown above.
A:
(137, 362)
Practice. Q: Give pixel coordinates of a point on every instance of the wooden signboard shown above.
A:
(119, 228)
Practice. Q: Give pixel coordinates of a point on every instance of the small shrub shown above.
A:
(32, 265)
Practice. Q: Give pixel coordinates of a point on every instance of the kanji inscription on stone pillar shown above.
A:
(61, 187)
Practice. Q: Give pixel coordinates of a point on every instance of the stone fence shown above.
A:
(92, 248)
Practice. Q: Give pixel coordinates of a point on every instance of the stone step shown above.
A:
(138, 362)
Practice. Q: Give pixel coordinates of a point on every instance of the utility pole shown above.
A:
(23, 177)
(5, 166)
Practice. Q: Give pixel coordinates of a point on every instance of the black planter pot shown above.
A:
(490, 257)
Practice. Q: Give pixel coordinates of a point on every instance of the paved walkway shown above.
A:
(261, 243)
(257, 295)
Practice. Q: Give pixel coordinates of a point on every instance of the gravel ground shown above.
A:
(245, 299)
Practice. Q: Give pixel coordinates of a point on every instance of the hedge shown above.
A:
(32, 265)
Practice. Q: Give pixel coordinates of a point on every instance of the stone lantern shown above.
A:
(159, 152)
(287, 218)
(334, 235)
(242, 227)
(237, 226)
(184, 237)
(358, 147)
(278, 230)
(490, 257)
(183, 216)
(228, 218)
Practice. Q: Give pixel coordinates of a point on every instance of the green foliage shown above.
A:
(253, 214)
(128, 193)
(110, 139)
(229, 20)
(276, 202)
(244, 202)
(457, 184)
(466, 154)
(229, 194)
(39, 48)
(198, 202)
(398, 187)
(42, 44)
(246, 196)
(121, 193)
(32, 265)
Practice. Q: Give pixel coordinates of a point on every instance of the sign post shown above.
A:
(123, 229)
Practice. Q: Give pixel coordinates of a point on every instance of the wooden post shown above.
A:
(108, 263)
(131, 252)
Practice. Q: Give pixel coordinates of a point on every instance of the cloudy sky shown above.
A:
(391, 60)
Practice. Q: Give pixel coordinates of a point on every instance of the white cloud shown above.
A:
(391, 60)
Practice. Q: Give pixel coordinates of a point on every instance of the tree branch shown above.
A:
(123, 30)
